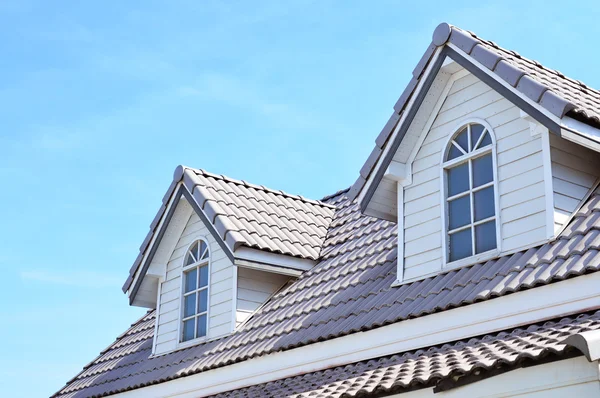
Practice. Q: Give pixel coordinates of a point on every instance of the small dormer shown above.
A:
(480, 159)
(217, 250)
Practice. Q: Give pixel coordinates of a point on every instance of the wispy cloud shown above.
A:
(243, 94)
(78, 279)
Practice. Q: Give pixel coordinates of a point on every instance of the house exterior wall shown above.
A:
(254, 288)
(574, 377)
(221, 289)
(520, 174)
(575, 170)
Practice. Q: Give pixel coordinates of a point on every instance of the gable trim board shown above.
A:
(296, 247)
(537, 99)
(510, 93)
(179, 193)
(521, 308)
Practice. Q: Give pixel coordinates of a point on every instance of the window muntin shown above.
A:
(194, 323)
(470, 193)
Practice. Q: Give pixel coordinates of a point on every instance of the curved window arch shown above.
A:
(196, 274)
(471, 213)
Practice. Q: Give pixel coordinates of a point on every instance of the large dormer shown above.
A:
(486, 154)
(217, 250)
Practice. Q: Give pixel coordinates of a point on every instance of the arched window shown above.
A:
(470, 193)
(195, 291)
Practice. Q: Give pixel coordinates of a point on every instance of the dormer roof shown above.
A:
(560, 103)
(242, 214)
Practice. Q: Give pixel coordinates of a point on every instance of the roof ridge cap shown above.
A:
(263, 188)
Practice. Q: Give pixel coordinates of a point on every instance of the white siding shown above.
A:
(254, 288)
(221, 289)
(575, 169)
(574, 377)
(520, 177)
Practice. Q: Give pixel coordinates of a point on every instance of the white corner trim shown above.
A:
(273, 259)
(548, 183)
(400, 226)
(234, 298)
(509, 311)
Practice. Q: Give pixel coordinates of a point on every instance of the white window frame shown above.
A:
(444, 165)
(184, 269)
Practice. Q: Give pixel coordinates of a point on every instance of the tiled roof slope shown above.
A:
(245, 214)
(349, 290)
(423, 368)
(551, 89)
(256, 216)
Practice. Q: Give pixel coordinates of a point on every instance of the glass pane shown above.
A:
(189, 305)
(458, 179)
(203, 276)
(460, 245)
(459, 212)
(190, 281)
(194, 250)
(476, 130)
(203, 250)
(188, 329)
(482, 170)
(201, 326)
(463, 140)
(484, 203)
(487, 140)
(485, 237)
(202, 300)
(454, 152)
(190, 259)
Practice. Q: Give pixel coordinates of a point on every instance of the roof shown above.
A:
(348, 291)
(426, 367)
(245, 214)
(548, 88)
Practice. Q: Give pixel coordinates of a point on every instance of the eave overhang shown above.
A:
(144, 274)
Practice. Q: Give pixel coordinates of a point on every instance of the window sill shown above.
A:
(464, 262)
(476, 259)
(189, 343)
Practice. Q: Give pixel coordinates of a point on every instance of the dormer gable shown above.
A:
(540, 163)
(217, 250)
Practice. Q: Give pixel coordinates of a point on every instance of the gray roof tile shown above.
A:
(426, 367)
(250, 215)
(349, 290)
(549, 88)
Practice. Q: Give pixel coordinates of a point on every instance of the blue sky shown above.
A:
(101, 101)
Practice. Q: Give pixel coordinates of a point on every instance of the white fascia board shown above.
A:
(173, 201)
(522, 308)
(273, 259)
(402, 120)
(580, 133)
(268, 268)
(158, 266)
